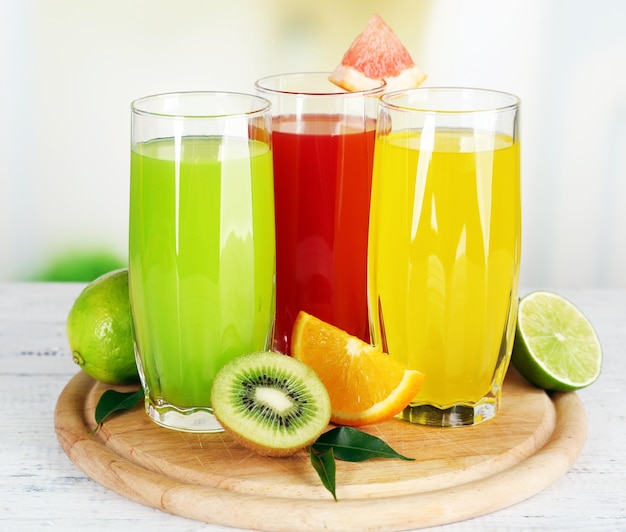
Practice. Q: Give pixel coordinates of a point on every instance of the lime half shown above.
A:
(555, 346)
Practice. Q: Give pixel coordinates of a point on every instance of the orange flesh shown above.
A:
(364, 384)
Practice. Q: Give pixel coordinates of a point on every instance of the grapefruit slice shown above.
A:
(377, 54)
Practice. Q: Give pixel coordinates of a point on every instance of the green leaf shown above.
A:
(324, 464)
(352, 445)
(113, 401)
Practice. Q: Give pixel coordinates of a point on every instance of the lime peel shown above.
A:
(99, 330)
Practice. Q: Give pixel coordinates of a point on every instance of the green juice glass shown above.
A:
(201, 245)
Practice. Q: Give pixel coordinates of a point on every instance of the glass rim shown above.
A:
(264, 105)
(260, 85)
(387, 100)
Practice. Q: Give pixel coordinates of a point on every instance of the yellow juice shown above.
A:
(444, 258)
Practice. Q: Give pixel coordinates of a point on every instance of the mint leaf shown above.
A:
(324, 464)
(112, 401)
(352, 445)
(347, 444)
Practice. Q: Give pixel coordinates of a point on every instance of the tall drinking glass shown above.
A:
(323, 152)
(444, 245)
(201, 245)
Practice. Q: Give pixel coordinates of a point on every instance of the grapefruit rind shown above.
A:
(350, 79)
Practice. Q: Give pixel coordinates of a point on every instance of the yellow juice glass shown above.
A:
(444, 245)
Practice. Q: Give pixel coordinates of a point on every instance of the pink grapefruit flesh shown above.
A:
(377, 54)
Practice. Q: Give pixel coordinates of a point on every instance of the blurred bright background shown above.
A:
(70, 69)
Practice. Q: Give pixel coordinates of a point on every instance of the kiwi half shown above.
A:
(270, 403)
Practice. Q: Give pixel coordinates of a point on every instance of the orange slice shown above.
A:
(365, 385)
(377, 54)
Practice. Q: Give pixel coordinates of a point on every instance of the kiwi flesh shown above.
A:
(270, 403)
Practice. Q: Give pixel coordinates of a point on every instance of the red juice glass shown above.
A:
(323, 148)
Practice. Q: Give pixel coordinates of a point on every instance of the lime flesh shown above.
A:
(555, 346)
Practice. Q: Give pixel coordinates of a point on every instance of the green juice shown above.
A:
(201, 260)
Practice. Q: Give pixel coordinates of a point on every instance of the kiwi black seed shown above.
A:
(270, 403)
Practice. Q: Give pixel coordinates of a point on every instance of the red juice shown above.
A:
(322, 183)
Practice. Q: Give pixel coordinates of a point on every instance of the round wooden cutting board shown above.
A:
(457, 473)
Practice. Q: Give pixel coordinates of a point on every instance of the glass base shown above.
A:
(195, 419)
(461, 415)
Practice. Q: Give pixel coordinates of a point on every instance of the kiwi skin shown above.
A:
(266, 450)
(253, 434)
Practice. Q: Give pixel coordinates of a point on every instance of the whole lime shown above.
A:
(99, 330)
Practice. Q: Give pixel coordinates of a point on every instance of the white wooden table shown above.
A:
(41, 489)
